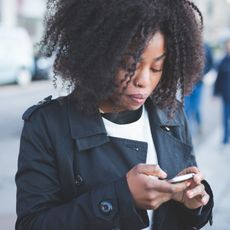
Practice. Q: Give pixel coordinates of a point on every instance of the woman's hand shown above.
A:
(148, 189)
(194, 195)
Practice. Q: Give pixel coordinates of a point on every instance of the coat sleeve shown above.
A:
(197, 218)
(39, 202)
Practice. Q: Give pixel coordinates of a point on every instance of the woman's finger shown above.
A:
(197, 191)
(151, 170)
(191, 169)
(205, 198)
(198, 178)
(166, 187)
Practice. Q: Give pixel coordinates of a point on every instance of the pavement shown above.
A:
(214, 161)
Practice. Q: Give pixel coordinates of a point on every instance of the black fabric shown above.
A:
(48, 196)
(125, 117)
(222, 83)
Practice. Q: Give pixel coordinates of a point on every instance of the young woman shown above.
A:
(100, 158)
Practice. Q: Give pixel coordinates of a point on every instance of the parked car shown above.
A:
(16, 56)
(43, 67)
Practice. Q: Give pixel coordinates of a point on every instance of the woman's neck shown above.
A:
(124, 117)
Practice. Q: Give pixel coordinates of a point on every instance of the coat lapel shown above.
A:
(173, 155)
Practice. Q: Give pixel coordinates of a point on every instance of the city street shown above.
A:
(14, 101)
(66, 29)
(213, 158)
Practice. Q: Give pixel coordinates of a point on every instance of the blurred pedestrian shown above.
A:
(193, 101)
(222, 89)
(100, 157)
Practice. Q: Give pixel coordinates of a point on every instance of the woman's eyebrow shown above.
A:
(159, 58)
(162, 56)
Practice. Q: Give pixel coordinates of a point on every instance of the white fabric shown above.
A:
(139, 131)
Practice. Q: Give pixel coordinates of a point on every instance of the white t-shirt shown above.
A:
(139, 131)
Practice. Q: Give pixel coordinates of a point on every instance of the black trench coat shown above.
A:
(71, 175)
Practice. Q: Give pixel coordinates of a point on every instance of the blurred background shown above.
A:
(26, 78)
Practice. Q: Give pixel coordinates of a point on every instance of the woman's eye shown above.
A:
(156, 70)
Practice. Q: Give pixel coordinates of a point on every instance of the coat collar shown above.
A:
(160, 116)
(89, 131)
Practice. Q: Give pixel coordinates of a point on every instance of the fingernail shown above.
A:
(164, 174)
(188, 184)
(190, 194)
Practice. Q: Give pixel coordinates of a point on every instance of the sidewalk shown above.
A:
(214, 161)
(7, 222)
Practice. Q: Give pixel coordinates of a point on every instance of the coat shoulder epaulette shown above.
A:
(27, 114)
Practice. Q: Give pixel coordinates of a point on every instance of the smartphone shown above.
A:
(181, 178)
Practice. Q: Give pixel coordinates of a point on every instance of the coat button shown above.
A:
(106, 207)
(78, 180)
(167, 128)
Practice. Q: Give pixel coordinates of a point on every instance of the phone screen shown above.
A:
(181, 178)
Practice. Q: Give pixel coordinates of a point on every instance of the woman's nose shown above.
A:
(142, 77)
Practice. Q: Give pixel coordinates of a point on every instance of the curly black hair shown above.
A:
(93, 38)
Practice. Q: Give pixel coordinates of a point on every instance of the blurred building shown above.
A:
(29, 14)
(8, 13)
(25, 13)
(216, 18)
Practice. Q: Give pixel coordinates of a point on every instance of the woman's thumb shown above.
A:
(151, 170)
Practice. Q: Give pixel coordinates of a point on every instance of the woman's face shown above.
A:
(147, 76)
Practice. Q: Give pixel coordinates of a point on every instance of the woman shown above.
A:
(100, 158)
(222, 89)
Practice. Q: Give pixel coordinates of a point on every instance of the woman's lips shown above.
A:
(137, 98)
